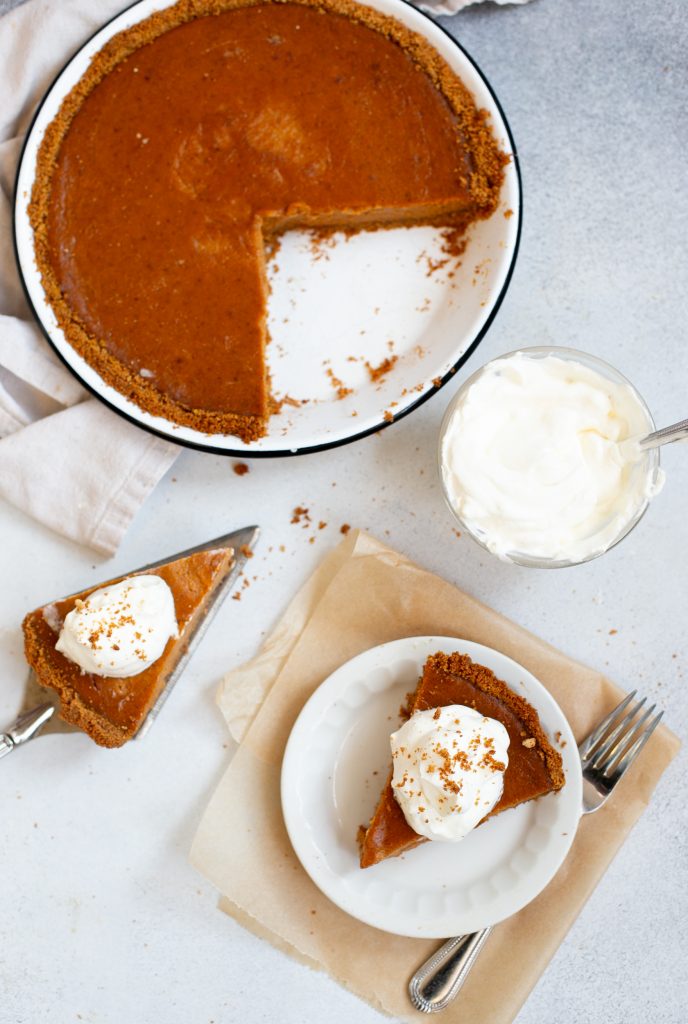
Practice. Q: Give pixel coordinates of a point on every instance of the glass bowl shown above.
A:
(649, 459)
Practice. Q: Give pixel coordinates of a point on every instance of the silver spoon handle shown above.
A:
(674, 432)
(439, 979)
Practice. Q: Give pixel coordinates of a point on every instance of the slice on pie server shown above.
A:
(113, 710)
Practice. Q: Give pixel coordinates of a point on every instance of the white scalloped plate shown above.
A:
(335, 764)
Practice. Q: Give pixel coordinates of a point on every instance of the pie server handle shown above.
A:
(438, 981)
(28, 725)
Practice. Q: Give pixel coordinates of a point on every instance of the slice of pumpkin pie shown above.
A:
(109, 651)
(471, 749)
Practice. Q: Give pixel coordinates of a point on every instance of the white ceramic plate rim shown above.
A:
(309, 837)
(296, 443)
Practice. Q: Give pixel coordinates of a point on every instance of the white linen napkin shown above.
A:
(65, 459)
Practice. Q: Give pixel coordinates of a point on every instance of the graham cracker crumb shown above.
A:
(376, 373)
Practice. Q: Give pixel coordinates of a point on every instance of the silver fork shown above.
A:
(606, 754)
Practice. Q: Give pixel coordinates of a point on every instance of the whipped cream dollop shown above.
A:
(533, 459)
(120, 630)
(448, 769)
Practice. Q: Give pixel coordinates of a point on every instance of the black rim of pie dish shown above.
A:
(246, 453)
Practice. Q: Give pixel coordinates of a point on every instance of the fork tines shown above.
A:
(618, 740)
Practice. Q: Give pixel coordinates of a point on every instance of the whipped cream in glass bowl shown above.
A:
(533, 461)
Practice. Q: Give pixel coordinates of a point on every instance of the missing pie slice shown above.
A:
(112, 710)
(534, 769)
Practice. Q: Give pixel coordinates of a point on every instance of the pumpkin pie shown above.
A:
(112, 710)
(198, 136)
(534, 768)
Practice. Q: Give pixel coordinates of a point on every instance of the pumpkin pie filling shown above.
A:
(199, 135)
(534, 768)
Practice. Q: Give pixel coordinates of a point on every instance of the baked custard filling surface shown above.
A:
(201, 133)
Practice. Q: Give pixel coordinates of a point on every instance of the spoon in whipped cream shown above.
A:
(674, 432)
(546, 456)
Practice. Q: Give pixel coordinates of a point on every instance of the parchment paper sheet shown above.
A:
(364, 594)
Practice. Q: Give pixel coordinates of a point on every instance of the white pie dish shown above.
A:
(374, 288)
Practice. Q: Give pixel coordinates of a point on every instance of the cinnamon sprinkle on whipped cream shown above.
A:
(448, 770)
(120, 630)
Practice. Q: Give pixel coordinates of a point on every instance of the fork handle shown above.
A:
(25, 728)
(439, 979)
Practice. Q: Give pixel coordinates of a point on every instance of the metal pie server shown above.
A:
(37, 716)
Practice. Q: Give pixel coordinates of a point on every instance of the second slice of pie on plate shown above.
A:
(534, 767)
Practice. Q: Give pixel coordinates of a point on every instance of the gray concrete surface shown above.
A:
(596, 93)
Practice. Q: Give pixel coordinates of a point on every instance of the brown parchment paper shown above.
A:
(364, 594)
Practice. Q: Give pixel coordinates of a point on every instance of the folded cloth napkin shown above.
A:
(65, 459)
(364, 594)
